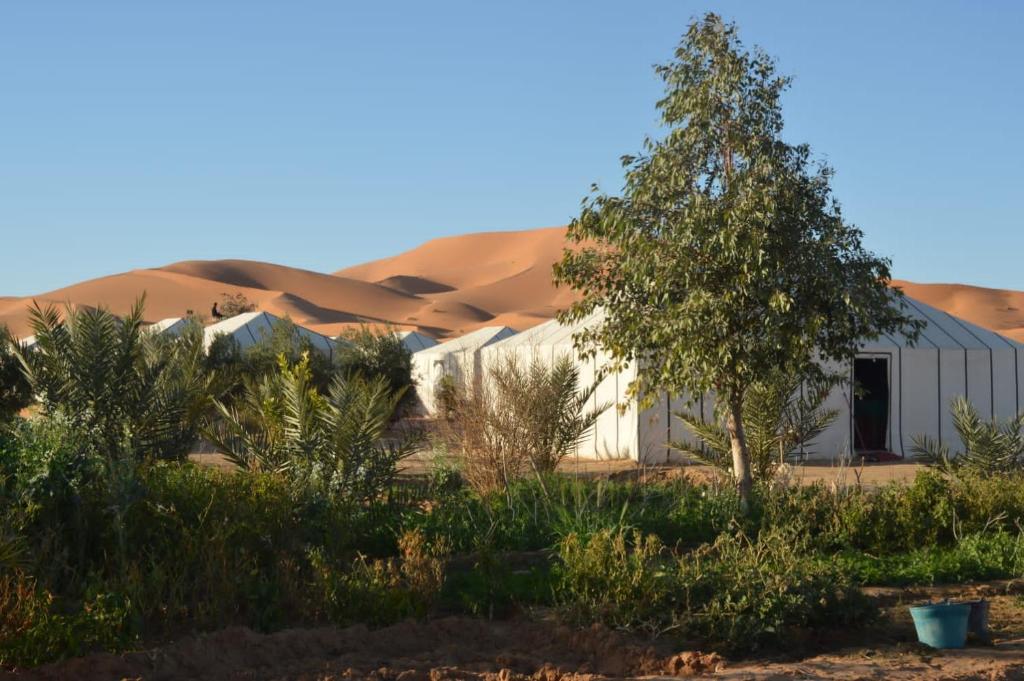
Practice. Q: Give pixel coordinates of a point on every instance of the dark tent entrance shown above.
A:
(871, 404)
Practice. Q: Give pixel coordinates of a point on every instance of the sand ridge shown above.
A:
(444, 288)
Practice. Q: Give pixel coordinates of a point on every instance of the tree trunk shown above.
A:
(740, 453)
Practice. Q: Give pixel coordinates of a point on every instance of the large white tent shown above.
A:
(172, 326)
(458, 359)
(250, 328)
(906, 390)
(416, 341)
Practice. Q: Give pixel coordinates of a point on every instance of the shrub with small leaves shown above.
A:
(617, 577)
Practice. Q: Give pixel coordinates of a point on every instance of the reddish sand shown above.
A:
(446, 287)
(539, 649)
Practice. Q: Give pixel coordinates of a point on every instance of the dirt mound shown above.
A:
(451, 648)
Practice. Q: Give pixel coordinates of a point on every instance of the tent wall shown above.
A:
(923, 383)
(458, 359)
(615, 432)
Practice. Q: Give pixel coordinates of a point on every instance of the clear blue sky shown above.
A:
(321, 134)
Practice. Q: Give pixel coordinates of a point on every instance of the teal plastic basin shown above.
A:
(941, 625)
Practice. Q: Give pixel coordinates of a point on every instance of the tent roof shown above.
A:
(472, 341)
(250, 327)
(941, 330)
(172, 324)
(416, 341)
(550, 333)
(944, 331)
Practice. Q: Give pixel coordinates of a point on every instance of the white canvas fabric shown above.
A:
(171, 326)
(458, 359)
(416, 341)
(251, 327)
(28, 342)
(951, 358)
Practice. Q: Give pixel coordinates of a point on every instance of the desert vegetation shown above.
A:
(111, 537)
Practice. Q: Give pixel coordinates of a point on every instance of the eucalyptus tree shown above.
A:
(726, 258)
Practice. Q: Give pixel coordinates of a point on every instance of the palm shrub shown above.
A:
(15, 391)
(520, 419)
(120, 389)
(990, 447)
(283, 424)
(778, 418)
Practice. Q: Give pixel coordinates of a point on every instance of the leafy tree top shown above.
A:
(726, 258)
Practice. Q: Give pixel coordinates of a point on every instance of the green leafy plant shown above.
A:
(726, 258)
(283, 424)
(371, 354)
(747, 593)
(15, 390)
(989, 447)
(778, 418)
(618, 577)
(123, 391)
(383, 591)
(520, 419)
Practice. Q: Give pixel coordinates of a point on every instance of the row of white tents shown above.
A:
(905, 389)
(249, 328)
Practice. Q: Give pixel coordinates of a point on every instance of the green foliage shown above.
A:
(260, 360)
(519, 420)
(382, 592)
(15, 390)
(283, 424)
(372, 354)
(33, 632)
(122, 392)
(616, 577)
(975, 557)
(989, 447)
(726, 259)
(745, 594)
(778, 417)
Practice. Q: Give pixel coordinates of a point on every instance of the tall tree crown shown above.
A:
(726, 257)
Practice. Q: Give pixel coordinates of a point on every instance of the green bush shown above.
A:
(619, 578)
(981, 556)
(32, 631)
(744, 594)
(376, 354)
(380, 592)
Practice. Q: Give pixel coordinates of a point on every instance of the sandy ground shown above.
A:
(542, 650)
(444, 288)
(867, 475)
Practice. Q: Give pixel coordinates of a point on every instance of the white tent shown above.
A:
(617, 433)
(250, 328)
(905, 390)
(458, 359)
(28, 342)
(172, 326)
(416, 341)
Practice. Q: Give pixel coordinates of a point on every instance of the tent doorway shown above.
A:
(871, 404)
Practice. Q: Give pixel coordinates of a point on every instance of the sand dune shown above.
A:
(1000, 310)
(444, 288)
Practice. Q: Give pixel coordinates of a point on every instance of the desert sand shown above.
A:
(444, 288)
